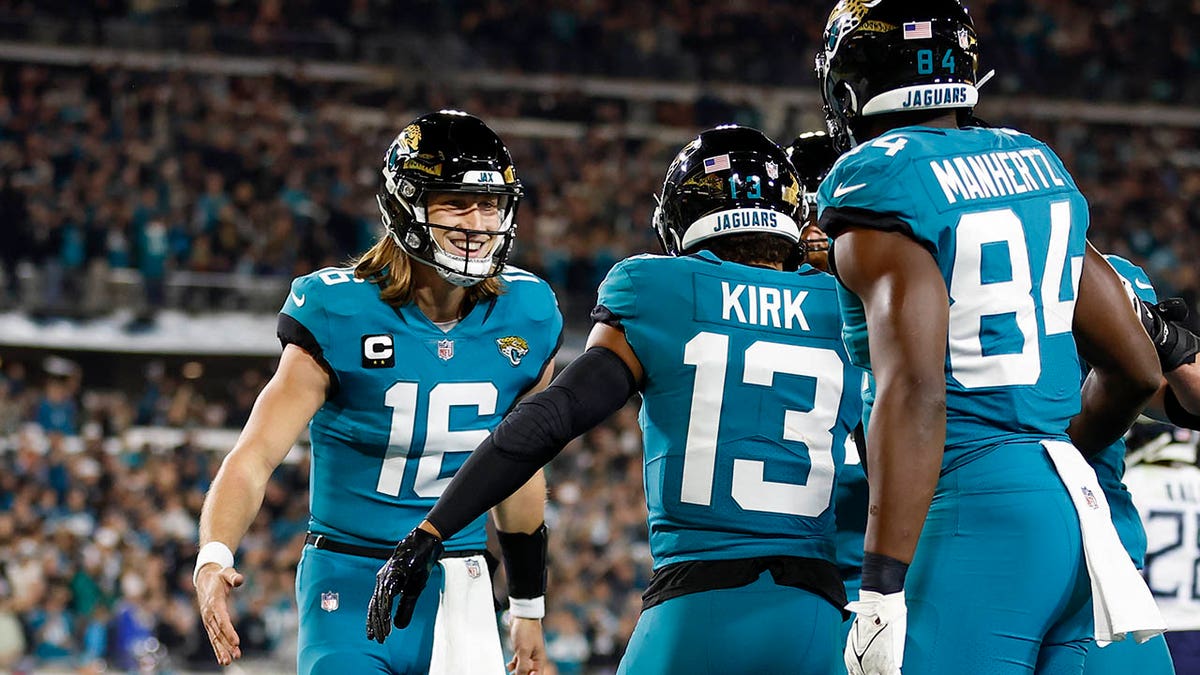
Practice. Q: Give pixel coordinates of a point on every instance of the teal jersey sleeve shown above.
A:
(304, 305)
(304, 320)
(617, 294)
(1135, 279)
(535, 298)
(1109, 464)
(871, 183)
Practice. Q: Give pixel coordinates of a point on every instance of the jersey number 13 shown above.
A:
(709, 353)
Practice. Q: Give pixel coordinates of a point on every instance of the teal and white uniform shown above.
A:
(1151, 657)
(748, 400)
(408, 402)
(999, 575)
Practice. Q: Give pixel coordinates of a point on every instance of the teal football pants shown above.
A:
(758, 628)
(1122, 658)
(333, 638)
(999, 584)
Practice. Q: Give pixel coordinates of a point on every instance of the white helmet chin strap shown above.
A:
(457, 279)
(460, 280)
(473, 269)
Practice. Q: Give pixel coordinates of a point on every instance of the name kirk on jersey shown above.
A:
(995, 174)
(763, 306)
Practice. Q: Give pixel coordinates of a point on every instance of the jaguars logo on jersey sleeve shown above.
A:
(514, 348)
(533, 298)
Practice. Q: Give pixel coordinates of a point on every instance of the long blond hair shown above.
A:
(388, 265)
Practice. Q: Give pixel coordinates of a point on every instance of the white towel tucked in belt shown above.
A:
(465, 638)
(1121, 603)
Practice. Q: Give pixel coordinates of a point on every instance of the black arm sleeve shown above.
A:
(592, 387)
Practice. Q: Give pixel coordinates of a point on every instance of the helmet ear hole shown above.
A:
(415, 240)
(846, 100)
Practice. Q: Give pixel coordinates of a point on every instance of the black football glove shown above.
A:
(1175, 344)
(404, 575)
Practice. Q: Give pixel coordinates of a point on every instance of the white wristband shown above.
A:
(212, 552)
(527, 608)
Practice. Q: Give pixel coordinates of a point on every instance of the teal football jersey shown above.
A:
(747, 402)
(1110, 463)
(852, 496)
(1007, 227)
(410, 402)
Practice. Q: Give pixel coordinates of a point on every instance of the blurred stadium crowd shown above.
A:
(98, 530)
(160, 172)
(1123, 51)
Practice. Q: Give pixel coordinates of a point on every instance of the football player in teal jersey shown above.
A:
(403, 362)
(968, 285)
(747, 402)
(813, 154)
(1177, 347)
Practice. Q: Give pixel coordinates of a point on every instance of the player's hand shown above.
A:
(875, 645)
(403, 575)
(213, 586)
(1175, 344)
(529, 647)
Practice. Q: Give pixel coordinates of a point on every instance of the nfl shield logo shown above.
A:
(329, 601)
(445, 349)
(473, 569)
(1090, 498)
(772, 170)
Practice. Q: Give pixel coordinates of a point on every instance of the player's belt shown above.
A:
(326, 544)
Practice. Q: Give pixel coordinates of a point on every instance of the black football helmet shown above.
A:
(813, 155)
(448, 151)
(728, 180)
(891, 56)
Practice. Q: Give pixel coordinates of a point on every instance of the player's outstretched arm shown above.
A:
(1125, 370)
(592, 387)
(907, 312)
(1181, 396)
(284, 406)
(1178, 400)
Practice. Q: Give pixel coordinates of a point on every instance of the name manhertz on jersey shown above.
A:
(1007, 227)
(408, 402)
(748, 400)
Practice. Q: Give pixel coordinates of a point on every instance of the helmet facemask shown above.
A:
(487, 250)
